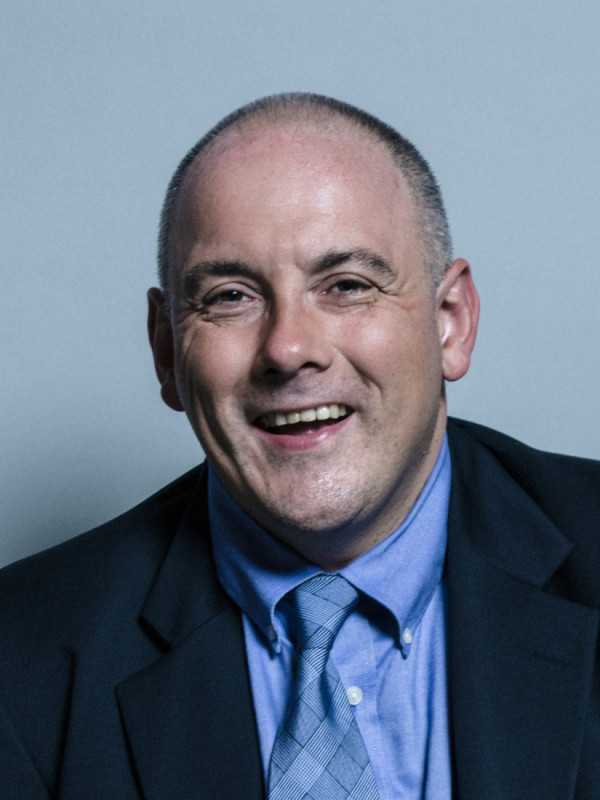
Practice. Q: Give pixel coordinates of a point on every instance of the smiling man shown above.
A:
(353, 597)
(319, 302)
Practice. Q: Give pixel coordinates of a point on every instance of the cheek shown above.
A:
(381, 348)
(400, 357)
(211, 367)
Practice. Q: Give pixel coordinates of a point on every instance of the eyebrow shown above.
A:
(372, 261)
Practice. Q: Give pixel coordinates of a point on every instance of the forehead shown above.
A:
(331, 140)
(272, 174)
(293, 151)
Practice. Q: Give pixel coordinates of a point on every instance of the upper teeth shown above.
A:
(277, 418)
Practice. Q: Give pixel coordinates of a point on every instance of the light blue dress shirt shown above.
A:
(390, 653)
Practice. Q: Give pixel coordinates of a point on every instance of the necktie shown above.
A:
(319, 753)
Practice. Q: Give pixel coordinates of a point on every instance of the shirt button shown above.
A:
(272, 633)
(407, 636)
(354, 695)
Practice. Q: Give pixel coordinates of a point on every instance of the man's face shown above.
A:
(306, 337)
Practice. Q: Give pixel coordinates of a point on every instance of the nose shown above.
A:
(294, 339)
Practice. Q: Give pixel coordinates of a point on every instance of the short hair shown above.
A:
(303, 107)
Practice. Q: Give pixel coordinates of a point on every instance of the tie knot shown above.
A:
(321, 605)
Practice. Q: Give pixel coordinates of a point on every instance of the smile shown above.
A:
(277, 419)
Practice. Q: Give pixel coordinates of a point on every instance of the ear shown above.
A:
(458, 316)
(160, 333)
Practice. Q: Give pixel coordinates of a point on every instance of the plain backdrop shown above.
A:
(100, 101)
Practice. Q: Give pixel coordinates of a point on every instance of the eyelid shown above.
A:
(212, 292)
(348, 277)
(215, 296)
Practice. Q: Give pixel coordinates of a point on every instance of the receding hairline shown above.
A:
(325, 115)
(322, 121)
(258, 128)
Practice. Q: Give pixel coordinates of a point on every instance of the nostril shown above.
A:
(277, 375)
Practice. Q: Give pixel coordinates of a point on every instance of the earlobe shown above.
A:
(160, 333)
(458, 316)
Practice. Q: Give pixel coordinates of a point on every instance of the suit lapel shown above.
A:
(520, 659)
(188, 716)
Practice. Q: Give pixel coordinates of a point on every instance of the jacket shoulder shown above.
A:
(115, 560)
(70, 631)
(538, 470)
(504, 475)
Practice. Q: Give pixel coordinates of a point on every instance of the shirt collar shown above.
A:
(401, 572)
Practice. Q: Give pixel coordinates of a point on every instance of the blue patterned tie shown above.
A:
(319, 753)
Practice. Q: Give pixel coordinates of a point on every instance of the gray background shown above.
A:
(99, 102)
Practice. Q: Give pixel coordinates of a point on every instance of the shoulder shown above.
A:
(538, 470)
(112, 563)
(70, 629)
(505, 479)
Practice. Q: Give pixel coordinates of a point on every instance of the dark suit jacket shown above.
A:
(122, 662)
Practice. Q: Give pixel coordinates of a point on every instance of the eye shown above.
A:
(230, 301)
(349, 286)
(226, 297)
(341, 291)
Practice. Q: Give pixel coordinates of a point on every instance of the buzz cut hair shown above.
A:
(306, 108)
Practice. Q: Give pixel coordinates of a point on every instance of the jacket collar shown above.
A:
(188, 716)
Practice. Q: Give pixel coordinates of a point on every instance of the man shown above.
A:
(309, 315)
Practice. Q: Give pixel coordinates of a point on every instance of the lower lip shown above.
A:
(305, 441)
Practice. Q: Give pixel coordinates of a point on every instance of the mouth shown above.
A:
(303, 420)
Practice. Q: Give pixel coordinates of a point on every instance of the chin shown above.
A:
(330, 516)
